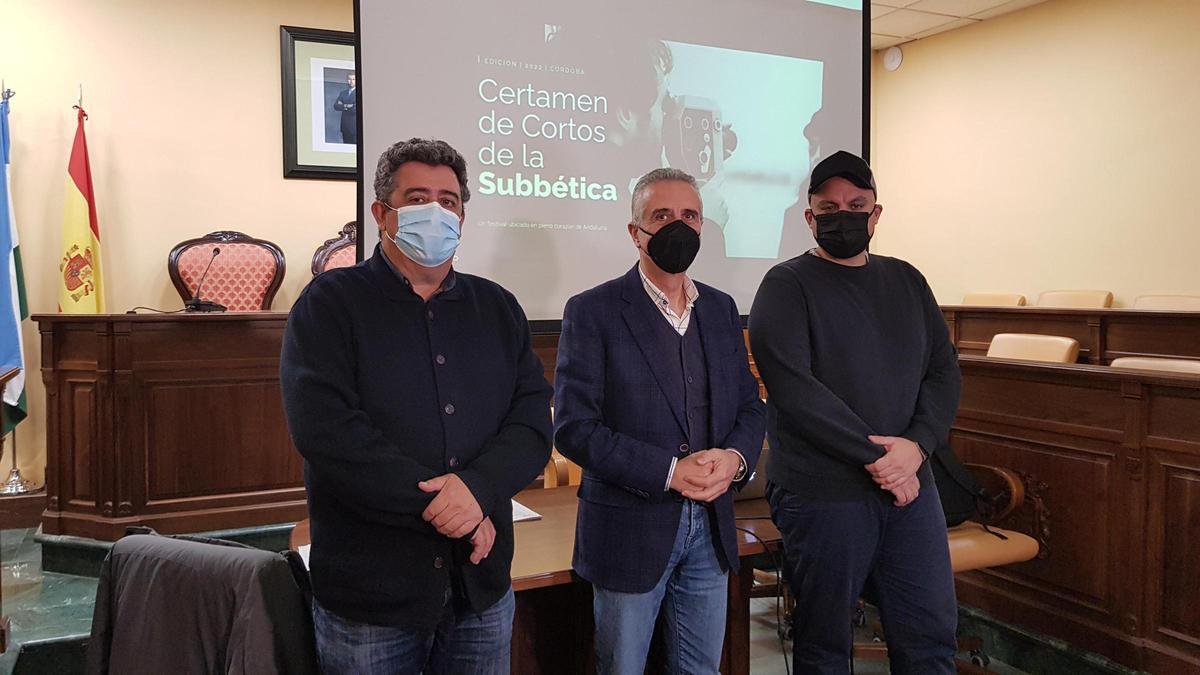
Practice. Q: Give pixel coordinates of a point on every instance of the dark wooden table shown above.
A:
(552, 630)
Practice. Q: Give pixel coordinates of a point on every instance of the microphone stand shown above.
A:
(198, 305)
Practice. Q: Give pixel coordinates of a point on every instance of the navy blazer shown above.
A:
(614, 418)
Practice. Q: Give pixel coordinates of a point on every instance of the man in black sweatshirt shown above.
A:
(862, 384)
(414, 395)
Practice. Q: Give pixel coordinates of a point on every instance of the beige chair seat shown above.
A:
(1164, 365)
(974, 548)
(994, 299)
(1028, 347)
(1076, 299)
(1174, 303)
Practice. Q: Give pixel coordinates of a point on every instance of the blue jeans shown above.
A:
(898, 555)
(692, 593)
(464, 642)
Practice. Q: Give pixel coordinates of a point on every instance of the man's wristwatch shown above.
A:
(742, 469)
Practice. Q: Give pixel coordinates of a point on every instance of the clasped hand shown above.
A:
(705, 475)
(454, 512)
(896, 471)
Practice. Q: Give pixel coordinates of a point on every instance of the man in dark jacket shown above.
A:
(655, 400)
(347, 104)
(414, 395)
(862, 386)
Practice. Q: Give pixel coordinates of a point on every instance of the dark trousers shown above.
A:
(349, 127)
(899, 555)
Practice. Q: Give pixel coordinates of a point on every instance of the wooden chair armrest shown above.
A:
(1003, 487)
(556, 471)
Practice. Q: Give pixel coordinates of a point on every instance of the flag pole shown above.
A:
(16, 483)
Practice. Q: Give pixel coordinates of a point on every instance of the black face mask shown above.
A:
(673, 247)
(843, 234)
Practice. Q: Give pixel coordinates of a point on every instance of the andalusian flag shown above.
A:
(80, 290)
(12, 290)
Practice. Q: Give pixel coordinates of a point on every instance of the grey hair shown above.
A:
(425, 150)
(656, 176)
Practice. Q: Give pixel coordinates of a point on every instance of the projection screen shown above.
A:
(560, 107)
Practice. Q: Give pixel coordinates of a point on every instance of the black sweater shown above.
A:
(383, 390)
(847, 352)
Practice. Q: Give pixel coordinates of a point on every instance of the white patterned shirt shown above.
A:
(663, 303)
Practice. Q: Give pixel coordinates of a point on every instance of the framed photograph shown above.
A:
(320, 103)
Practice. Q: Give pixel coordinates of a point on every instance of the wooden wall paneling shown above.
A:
(1173, 335)
(1135, 407)
(54, 413)
(1097, 339)
(85, 487)
(124, 467)
(546, 348)
(1119, 452)
(213, 437)
(211, 425)
(1103, 334)
(174, 422)
(102, 429)
(78, 474)
(1068, 433)
(1172, 422)
(1051, 402)
(21, 511)
(1078, 573)
(1172, 557)
(975, 327)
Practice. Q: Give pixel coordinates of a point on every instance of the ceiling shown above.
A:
(895, 22)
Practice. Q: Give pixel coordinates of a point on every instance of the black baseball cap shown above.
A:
(841, 163)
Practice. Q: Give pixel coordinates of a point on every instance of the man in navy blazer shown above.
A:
(655, 400)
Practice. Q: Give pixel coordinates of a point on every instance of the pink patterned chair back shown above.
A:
(340, 251)
(244, 277)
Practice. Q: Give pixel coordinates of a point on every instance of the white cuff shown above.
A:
(670, 474)
(744, 470)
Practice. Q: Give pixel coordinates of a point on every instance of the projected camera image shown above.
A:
(744, 136)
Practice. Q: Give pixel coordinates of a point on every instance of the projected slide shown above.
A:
(558, 113)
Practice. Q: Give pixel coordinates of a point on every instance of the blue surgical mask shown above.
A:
(426, 234)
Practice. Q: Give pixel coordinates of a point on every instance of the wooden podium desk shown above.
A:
(552, 627)
(1103, 334)
(169, 420)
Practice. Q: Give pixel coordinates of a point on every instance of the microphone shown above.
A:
(198, 305)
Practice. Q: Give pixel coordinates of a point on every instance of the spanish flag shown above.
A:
(79, 289)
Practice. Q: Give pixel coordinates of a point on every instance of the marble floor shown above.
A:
(41, 606)
(767, 653)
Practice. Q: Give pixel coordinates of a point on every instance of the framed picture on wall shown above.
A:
(320, 103)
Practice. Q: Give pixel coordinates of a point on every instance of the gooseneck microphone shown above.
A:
(198, 305)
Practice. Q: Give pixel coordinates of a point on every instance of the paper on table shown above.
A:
(522, 512)
(303, 550)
